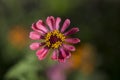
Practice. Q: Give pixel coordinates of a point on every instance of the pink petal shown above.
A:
(39, 52)
(72, 40)
(35, 35)
(60, 57)
(65, 25)
(58, 20)
(35, 28)
(63, 52)
(69, 47)
(40, 25)
(71, 31)
(42, 53)
(63, 55)
(35, 46)
(55, 55)
(51, 22)
(61, 60)
(68, 54)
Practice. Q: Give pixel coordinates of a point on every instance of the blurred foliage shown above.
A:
(98, 20)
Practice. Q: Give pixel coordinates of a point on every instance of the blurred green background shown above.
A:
(97, 56)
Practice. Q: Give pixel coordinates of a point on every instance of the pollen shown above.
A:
(54, 39)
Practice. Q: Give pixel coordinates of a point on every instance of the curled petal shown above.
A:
(72, 40)
(63, 52)
(71, 31)
(42, 53)
(35, 35)
(35, 46)
(51, 22)
(69, 47)
(40, 25)
(61, 58)
(58, 20)
(63, 55)
(55, 55)
(65, 25)
(35, 28)
(68, 54)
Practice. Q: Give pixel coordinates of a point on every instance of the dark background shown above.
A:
(98, 21)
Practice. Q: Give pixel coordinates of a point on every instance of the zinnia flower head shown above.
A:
(53, 37)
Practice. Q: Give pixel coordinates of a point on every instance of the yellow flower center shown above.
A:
(54, 39)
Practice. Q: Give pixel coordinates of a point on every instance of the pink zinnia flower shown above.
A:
(52, 37)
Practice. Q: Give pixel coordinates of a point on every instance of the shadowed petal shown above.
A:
(71, 31)
(35, 46)
(68, 54)
(58, 20)
(63, 55)
(35, 35)
(72, 40)
(65, 25)
(63, 52)
(60, 57)
(42, 53)
(40, 25)
(55, 55)
(51, 22)
(69, 47)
